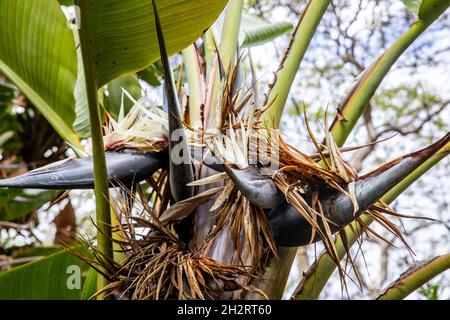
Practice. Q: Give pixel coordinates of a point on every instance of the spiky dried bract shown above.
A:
(301, 178)
(167, 269)
(161, 266)
(241, 143)
(234, 143)
(158, 264)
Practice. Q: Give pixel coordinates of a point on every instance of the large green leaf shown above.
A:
(37, 53)
(368, 82)
(152, 74)
(122, 36)
(17, 203)
(90, 285)
(256, 31)
(412, 5)
(116, 95)
(52, 277)
(426, 10)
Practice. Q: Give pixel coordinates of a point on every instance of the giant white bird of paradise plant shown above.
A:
(226, 197)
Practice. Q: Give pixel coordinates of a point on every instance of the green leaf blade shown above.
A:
(257, 31)
(131, 85)
(123, 38)
(37, 53)
(412, 5)
(17, 203)
(45, 278)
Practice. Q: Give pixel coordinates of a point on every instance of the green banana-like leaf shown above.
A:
(5, 137)
(17, 203)
(319, 273)
(412, 5)
(37, 53)
(53, 277)
(116, 96)
(427, 10)
(122, 36)
(90, 285)
(81, 124)
(256, 31)
(26, 252)
(152, 74)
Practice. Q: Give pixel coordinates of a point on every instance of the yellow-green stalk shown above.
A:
(227, 53)
(414, 279)
(360, 95)
(193, 75)
(103, 214)
(313, 283)
(277, 271)
(288, 68)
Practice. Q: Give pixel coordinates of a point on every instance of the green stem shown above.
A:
(208, 44)
(293, 57)
(318, 274)
(227, 52)
(103, 213)
(276, 272)
(414, 278)
(230, 33)
(359, 97)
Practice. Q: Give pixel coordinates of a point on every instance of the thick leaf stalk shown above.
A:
(103, 213)
(76, 173)
(359, 96)
(276, 273)
(293, 57)
(224, 58)
(193, 75)
(415, 277)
